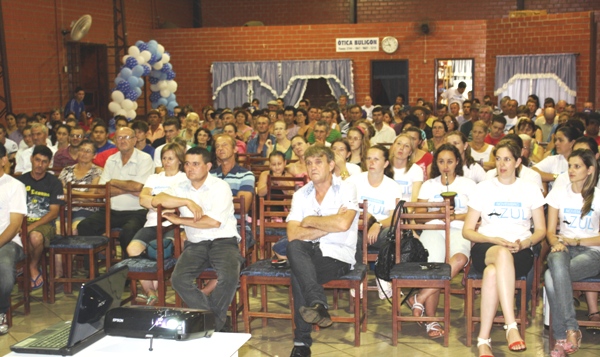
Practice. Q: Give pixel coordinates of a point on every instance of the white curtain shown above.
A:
(547, 76)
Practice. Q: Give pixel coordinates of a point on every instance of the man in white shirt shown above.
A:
(205, 203)
(368, 107)
(384, 134)
(456, 94)
(125, 172)
(510, 114)
(39, 133)
(12, 210)
(322, 231)
(11, 146)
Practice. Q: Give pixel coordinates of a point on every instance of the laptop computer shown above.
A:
(67, 338)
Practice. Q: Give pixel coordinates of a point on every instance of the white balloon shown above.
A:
(165, 93)
(117, 96)
(122, 112)
(163, 85)
(114, 107)
(165, 58)
(172, 86)
(134, 51)
(160, 49)
(146, 54)
(125, 58)
(131, 114)
(158, 65)
(127, 104)
(140, 60)
(135, 105)
(154, 87)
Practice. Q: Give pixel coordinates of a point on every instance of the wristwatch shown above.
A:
(380, 225)
(555, 176)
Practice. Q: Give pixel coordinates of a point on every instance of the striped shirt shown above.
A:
(239, 179)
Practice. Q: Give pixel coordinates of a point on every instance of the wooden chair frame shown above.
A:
(24, 279)
(398, 284)
(99, 200)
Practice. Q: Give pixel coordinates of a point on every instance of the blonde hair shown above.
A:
(413, 148)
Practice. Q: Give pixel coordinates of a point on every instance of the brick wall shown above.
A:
(558, 33)
(36, 51)
(225, 13)
(193, 51)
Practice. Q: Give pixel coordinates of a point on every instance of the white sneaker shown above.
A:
(352, 292)
(3, 324)
(384, 288)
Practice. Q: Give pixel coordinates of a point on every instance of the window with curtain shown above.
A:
(237, 82)
(547, 76)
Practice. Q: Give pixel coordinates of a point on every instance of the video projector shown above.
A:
(159, 322)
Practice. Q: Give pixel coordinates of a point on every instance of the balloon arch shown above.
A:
(144, 59)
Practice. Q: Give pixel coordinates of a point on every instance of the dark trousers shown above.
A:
(310, 269)
(224, 256)
(130, 222)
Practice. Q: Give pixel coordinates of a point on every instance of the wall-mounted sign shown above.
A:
(362, 44)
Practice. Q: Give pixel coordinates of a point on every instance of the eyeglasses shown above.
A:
(76, 136)
(87, 151)
(124, 137)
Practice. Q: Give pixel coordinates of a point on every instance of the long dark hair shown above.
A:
(435, 170)
(589, 185)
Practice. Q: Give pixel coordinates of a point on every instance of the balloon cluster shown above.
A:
(144, 59)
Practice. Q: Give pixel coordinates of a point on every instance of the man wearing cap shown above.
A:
(273, 105)
(155, 130)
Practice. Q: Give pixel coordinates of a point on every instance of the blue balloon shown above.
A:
(171, 105)
(138, 70)
(155, 74)
(118, 80)
(163, 76)
(131, 95)
(133, 81)
(147, 70)
(137, 92)
(155, 105)
(125, 73)
(166, 68)
(152, 48)
(131, 62)
(153, 43)
(155, 96)
(141, 45)
(162, 101)
(140, 82)
(170, 75)
(171, 97)
(153, 80)
(123, 86)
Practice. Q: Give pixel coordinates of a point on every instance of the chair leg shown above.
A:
(469, 311)
(365, 306)
(357, 315)
(395, 312)
(245, 300)
(447, 313)
(523, 312)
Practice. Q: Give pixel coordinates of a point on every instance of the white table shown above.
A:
(219, 345)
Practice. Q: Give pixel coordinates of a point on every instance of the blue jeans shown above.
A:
(563, 268)
(224, 256)
(10, 254)
(310, 269)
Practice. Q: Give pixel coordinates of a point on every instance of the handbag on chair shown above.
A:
(411, 249)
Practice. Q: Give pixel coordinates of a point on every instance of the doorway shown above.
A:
(88, 69)
(388, 80)
(318, 93)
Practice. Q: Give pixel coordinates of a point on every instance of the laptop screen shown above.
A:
(96, 297)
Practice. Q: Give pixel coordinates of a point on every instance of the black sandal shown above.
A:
(594, 316)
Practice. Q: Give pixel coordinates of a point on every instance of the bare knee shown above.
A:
(36, 239)
(135, 249)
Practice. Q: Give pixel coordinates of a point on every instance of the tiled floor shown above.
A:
(276, 339)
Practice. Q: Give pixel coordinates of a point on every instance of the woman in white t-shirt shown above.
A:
(172, 156)
(406, 173)
(382, 193)
(506, 206)
(554, 165)
(480, 150)
(471, 169)
(343, 168)
(447, 175)
(576, 209)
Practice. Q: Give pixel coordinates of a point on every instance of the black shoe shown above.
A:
(300, 351)
(316, 314)
(227, 327)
